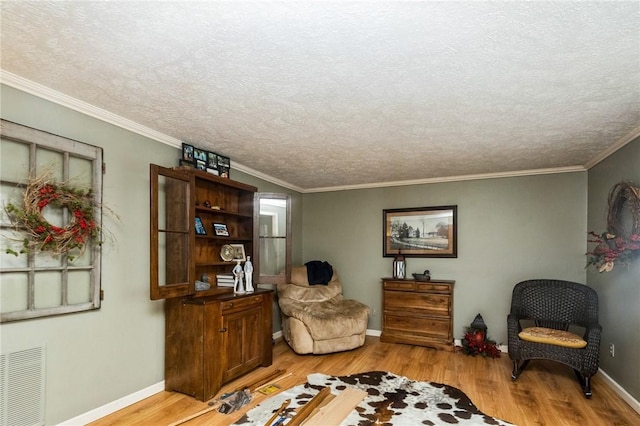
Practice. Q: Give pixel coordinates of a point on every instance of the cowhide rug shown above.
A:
(391, 400)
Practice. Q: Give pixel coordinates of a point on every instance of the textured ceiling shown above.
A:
(335, 94)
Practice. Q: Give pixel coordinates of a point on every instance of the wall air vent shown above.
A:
(22, 378)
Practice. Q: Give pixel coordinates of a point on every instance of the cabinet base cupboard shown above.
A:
(212, 340)
(418, 312)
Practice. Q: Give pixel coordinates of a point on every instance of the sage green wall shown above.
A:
(509, 230)
(95, 358)
(618, 290)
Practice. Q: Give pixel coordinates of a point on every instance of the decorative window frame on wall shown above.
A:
(37, 285)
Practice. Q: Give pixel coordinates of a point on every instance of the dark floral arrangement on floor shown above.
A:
(475, 343)
(42, 236)
(617, 245)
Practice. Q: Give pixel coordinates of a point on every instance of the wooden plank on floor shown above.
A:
(338, 409)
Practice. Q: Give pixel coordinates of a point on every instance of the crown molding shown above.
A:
(46, 93)
(635, 133)
(568, 169)
(260, 175)
(28, 86)
(59, 98)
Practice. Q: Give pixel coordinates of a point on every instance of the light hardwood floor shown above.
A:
(546, 393)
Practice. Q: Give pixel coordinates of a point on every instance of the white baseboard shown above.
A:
(114, 406)
(376, 333)
(123, 402)
(634, 403)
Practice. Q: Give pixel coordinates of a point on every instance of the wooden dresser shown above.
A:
(418, 312)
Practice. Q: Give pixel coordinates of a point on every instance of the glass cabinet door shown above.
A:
(272, 225)
(171, 242)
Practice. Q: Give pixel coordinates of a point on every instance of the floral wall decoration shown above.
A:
(620, 243)
(39, 234)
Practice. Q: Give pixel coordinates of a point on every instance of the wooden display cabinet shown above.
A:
(179, 256)
(418, 312)
(211, 336)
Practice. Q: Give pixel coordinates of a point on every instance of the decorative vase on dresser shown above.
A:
(418, 312)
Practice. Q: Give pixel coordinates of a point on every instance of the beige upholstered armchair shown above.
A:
(316, 319)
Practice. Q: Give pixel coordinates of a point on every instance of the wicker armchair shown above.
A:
(562, 309)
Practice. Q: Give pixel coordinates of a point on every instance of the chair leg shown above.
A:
(585, 383)
(518, 368)
(587, 387)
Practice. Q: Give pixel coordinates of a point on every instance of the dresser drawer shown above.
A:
(421, 303)
(433, 327)
(433, 287)
(400, 285)
(240, 303)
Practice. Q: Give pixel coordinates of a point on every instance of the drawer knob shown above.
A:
(223, 330)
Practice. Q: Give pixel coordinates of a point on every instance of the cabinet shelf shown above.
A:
(227, 240)
(214, 291)
(200, 209)
(221, 263)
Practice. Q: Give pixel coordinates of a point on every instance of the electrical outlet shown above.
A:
(374, 312)
(612, 350)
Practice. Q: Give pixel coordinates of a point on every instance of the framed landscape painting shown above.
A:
(420, 232)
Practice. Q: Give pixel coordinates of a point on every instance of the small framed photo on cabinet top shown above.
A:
(212, 163)
(224, 166)
(200, 154)
(187, 152)
(212, 160)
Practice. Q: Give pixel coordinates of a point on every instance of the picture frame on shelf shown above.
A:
(220, 229)
(238, 252)
(201, 165)
(420, 232)
(187, 152)
(212, 163)
(185, 163)
(200, 155)
(200, 229)
(224, 166)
